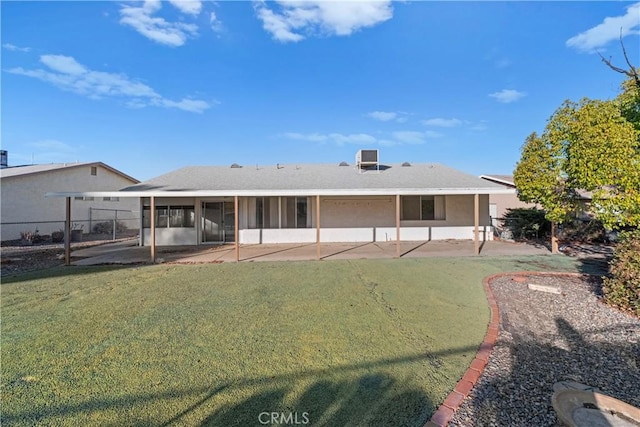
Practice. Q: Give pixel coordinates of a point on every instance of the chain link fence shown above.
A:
(102, 224)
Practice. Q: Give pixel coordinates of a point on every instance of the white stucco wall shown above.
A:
(23, 200)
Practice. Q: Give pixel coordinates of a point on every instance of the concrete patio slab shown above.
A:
(124, 253)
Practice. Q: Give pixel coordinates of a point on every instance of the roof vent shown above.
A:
(343, 164)
(406, 164)
(366, 159)
(235, 166)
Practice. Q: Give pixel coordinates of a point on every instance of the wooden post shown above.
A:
(236, 224)
(554, 238)
(153, 228)
(67, 233)
(318, 227)
(397, 226)
(476, 223)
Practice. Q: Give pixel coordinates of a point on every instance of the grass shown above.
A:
(366, 342)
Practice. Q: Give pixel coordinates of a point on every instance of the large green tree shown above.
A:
(590, 145)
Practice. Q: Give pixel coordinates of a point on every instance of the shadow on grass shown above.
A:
(372, 398)
(62, 271)
(606, 358)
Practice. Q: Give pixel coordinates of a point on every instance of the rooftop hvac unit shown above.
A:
(367, 158)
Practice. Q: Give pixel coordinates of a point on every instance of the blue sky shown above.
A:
(148, 87)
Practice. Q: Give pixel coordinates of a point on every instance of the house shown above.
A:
(364, 201)
(24, 206)
(500, 203)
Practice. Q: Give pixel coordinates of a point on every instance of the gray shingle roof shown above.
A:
(314, 177)
(14, 171)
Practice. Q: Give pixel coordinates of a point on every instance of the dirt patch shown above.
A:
(17, 259)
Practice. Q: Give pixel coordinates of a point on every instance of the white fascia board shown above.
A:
(502, 181)
(285, 193)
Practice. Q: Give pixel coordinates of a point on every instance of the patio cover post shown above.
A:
(236, 226)
(397, 226)
(318, 227)
(554, 237)
(153, 228)
(67, 233)
(476, 221)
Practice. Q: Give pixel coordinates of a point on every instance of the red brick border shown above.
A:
(452, 402)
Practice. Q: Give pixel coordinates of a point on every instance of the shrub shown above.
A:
(526, 223)
(622, 289)
(106, 227)
(591, 231)
(57, 236)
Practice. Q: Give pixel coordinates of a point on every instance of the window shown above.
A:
(423, 208)
(78, 198)
(85, 198)
(296, 212)
(110, 199)
(170, 217)
(94, 170)
(301, 212)
(182, 216)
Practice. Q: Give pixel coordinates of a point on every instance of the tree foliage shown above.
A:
(592, 146)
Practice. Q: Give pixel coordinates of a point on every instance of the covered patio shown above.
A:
(129, 253)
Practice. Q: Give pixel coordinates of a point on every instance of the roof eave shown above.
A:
(297, 192)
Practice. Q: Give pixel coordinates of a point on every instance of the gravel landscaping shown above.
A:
(546, 338)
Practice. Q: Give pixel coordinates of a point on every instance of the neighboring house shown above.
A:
(307, 203)
(499, 203)
(24, 206)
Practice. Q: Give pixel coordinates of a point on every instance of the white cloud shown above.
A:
(215, 23)
(608, 30)
(383, 116)
(409, 137)
(440, 122)
(63, 64)
(190, 7)
(432, 134)
(387, 116)
(297, 19)
(507, 96)
(156, 28)
(354, 138)
(15, 48)
(387, 139)
(313, 137)
(52, 144)
(68, 74)
(480, 126)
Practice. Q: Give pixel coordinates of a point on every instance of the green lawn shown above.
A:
(366, 342)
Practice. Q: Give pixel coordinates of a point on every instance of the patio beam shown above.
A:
(397, 226)
(318, 227)
(152, 201)
(236, 224)
(476, 224)
(67, 233)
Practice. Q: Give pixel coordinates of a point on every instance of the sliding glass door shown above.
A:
(218, 219)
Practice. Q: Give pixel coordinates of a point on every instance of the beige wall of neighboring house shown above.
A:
(24, 206)
(500, 203)
(503, 202)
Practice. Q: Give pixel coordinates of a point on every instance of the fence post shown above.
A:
(115, 222)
